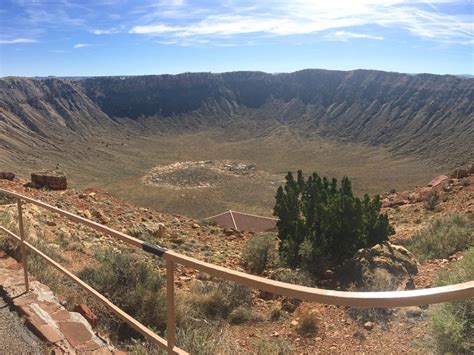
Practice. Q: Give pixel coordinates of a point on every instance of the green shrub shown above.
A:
(453, 323)
(240, 315)
(131, 284)
(321, 224)
(432, 201)
(218, 300)
(442, 238)
(259, 253)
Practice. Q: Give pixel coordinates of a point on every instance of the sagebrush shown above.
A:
(453, 322)
(131, 283)
(442, 238)
(218, 299)
(260, 252)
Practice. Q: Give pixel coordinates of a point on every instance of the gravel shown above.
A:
(15, 337)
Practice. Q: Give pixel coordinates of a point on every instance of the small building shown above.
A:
(244, 221)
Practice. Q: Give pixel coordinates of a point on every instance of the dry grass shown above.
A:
(381, 280)
(308, 324)
(453, 322)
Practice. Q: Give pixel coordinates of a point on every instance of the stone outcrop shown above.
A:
(438, 181)
(52, 179)
(441, 183)
(384, 266)
(6, 175)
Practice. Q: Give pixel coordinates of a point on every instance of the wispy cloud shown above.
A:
(108, 31)
(82, 45)
(230, 22)
(345, 36)
(17, 41)
(277, 18)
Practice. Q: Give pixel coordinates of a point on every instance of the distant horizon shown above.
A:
(148, 37)
(467, 75)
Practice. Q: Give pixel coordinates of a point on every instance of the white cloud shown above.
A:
(104, 32)
(155, 29)
(232, 22)
(108, 31)
(17, 41)
(345, 36)
(82, 45)
(278, 18)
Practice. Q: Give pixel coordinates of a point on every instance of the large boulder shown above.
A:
(384, 266)
(420, 194)
(52, 179)
(6, 175)
(439, 181)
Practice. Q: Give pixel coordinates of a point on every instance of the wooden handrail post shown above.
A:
(21, 229)
(170, 317)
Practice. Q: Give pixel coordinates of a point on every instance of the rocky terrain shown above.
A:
(199, 144)
(339, 329)
(425, 114)
(385, 130)
(411, 114)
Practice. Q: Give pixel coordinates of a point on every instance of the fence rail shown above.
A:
(386, 299)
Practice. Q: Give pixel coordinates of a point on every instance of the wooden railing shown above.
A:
(341, 298)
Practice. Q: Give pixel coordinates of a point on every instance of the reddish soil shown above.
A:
(405, 331)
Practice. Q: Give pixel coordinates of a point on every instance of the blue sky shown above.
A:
(119, 37)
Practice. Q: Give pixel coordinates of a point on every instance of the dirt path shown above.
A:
(15, 338)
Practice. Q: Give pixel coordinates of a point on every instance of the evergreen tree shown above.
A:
(321, 225)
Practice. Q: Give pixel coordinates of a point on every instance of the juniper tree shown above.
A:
(321, 224)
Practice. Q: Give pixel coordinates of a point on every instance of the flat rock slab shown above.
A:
(68, 332)
(76, 333)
